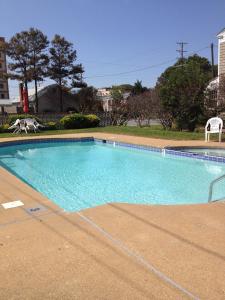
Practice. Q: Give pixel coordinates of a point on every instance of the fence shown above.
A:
(105, 117)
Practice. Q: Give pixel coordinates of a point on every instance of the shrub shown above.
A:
(51, 126)
(92, 120)
(73, 121)
(4, 128)
(77, 121)
(12, 118)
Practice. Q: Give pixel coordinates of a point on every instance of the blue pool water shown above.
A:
(78, 175)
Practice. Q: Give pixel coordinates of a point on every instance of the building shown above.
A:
(4, 87)
(104, 95)
(49, 100)
(214, 87)
(221, 52)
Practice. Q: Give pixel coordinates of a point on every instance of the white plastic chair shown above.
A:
(213, 125)
(25, 125)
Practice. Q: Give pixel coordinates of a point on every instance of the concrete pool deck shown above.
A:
(51, 254)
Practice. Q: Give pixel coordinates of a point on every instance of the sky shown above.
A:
(120, 41)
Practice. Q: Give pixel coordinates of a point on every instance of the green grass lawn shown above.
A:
(152, 131)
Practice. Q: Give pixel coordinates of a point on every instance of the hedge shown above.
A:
(4, 128)
(77, 121)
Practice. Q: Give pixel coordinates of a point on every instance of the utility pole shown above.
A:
(212, 60)
(181, 50)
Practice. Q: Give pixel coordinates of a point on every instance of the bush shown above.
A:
(77, 121)
(4, 128)
(12, 118)
(92, 120)
(51, 126)
(73, 121)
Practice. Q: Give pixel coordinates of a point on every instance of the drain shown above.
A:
(35, 209)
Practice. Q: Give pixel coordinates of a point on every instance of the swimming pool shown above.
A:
(82, 174)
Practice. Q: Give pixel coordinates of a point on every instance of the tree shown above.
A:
(138, 88)
(119, 112)
(18, 50)
(182, 88)
(62, 67)
(143, 107)
(38, 59)
(87, 100)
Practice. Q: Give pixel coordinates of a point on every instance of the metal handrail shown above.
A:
(211, 187)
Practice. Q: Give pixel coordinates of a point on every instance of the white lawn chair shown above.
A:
(25, 125)
(32, 124)
(15, 126)
(213, 125)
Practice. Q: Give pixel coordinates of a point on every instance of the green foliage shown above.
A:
(138, 88)
(62, 67)
(124, 87)
(77, 121)
(181, 90)
(92, 120)
(51, 126)
(13, 118)
(18, 51)
(38, 59)
(4, 128)
(87, 100)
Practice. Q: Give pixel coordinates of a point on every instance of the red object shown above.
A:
(25, 101)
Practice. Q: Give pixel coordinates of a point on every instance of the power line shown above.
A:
(132, 71)
(144, 68)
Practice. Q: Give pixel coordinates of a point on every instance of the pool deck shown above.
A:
(114, 251)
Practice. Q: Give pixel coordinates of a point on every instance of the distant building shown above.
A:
(49, 100)
(104, 95)
(4, 88)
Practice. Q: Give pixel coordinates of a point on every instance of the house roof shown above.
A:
(41, 91)
(221, 31)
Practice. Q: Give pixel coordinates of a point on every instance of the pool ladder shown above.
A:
(211, 188)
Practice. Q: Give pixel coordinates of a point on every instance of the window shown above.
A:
(1, 86)
(0, 65)
(2, 96)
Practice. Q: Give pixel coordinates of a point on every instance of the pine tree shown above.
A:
(18, 51)
(62, 67)
(38, 59)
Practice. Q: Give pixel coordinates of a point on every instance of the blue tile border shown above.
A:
(128, 145)
(45, 140)
(164, 151)
(195, 155)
